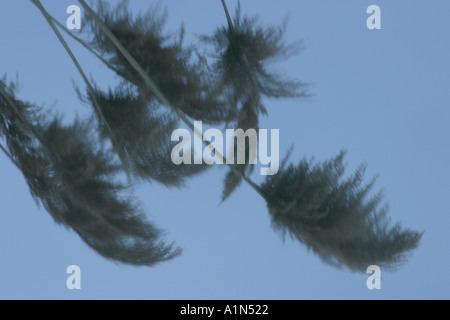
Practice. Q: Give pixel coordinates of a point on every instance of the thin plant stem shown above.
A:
(227, 13)
(75, 61)
(84, 44)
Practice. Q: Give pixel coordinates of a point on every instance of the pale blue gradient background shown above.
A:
(383, 95)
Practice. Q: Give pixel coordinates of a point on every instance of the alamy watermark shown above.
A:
(74, 20)
(214, 152)
(374, 281)
(74, 280)
(373, 21)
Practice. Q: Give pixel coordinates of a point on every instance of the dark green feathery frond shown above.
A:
(141, 124)
(142, 130)
(337, 219)
(242, 51)
(180, 73)
(74, 179)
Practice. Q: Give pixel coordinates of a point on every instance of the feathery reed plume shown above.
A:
(74, 179)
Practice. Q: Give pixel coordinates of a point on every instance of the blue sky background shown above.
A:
(383, 95)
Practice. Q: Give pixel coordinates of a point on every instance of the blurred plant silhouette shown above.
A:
(73, 170)
(72, 176)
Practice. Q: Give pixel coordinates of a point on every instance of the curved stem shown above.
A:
(157, 92)
(85, 45)
(227, 13)
(75, 61)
